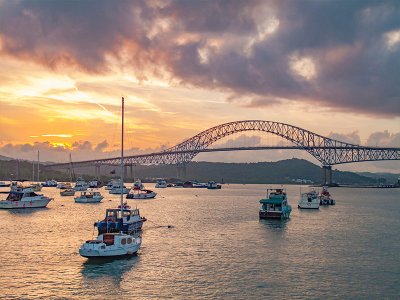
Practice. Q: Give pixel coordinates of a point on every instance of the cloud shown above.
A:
(384, 139)
(352, 138)
(101, 146)
(341, 56)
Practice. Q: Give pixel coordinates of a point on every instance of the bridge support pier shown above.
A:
(181, 170)
(327, 175)
(97, 171)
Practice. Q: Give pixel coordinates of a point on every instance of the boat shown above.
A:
(161, 184)
(212, 185)
(24, 197)
(309, 200)
(3, 184)
(325, 197)
(196, 184)
(120, 220)
(49, 183)
(138, 185)
(276, 205)
(95, 183)
(36, 187)
(118, 189)
(89, 197)
(67, 192)
(110, 185)
(64, 185)
(141, 194)
(81, 184)
(120, 243)
(113, 244)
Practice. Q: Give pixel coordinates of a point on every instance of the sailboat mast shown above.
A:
(38, 166)
(122, 158)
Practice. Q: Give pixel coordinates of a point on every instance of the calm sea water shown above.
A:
(217, 249)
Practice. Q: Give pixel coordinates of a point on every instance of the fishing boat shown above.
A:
(81, 184)
(67, 192)
(64, 185)
(120, 220)
(141, 194)
(212, 185)
(109, 185)
(325, 197)
(24, 197)
(276, 205)
(161, 184)
(89, 197)
(196, 184)
(114, 244)
(309, 200)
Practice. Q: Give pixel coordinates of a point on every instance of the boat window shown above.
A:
(103, 247)
(123, 241)
(129, 240)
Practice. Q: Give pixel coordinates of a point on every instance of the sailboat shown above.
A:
(37, 187)
(113, 244)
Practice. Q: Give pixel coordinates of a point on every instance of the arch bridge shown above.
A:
(327, 151)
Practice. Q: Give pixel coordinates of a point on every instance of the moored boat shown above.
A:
(3, 184)
(120, 220)
(141, 194)
(81, 184)
(161, 183)
(24, 197)
(212, 185)
(117, 189)
(67, 192)
(95, 183)
(114, 244)
(138, 185)
(276, 205)
(325, 197)
(309, 200)
(49, 183)
(89, 197)
(36, 187)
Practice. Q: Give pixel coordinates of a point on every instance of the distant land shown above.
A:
(284, 171)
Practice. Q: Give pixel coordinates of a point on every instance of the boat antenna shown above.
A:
(122, 158)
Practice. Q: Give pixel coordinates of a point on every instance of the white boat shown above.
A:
(67, 192)
(24, 197)
(117, 188)
(212, 185)
(89, 197)
(199, 185)
(113, 244)
(110, 185)
(161, 183)
(81, 185)
(309, 200)
(95, 183)
(325, 197)
(141, 194)
(50, 183)
(64, 185)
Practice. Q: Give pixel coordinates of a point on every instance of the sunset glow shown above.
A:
(181, 74)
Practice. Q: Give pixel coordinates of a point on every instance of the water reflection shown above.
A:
(26, 211)
(275, 224)
(108, 268)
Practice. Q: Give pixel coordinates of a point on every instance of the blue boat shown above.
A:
(130, 220)
(276, 205)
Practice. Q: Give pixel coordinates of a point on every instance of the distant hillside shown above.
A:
(284, 171)
(5, 158)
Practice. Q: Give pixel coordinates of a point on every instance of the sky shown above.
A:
(331, 67)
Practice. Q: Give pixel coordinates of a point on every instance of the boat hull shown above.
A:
(308, 205)
(274, 214)
(24, 204)
(88, 200)
(141, 196)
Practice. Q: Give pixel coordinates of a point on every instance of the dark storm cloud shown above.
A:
(225, 45)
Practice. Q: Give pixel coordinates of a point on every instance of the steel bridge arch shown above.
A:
(326, 150)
